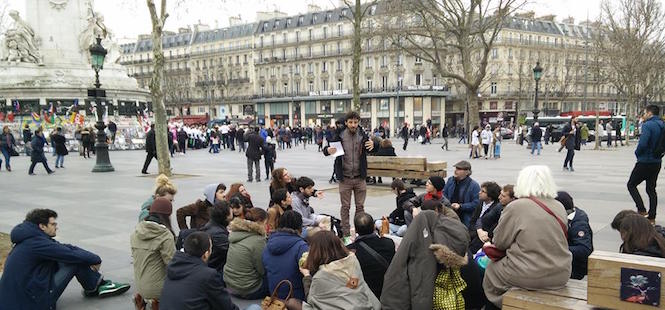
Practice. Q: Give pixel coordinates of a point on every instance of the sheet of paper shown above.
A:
(338, 146)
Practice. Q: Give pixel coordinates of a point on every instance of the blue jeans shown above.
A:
(59, 160)
(535, 145)
(395, 230)
(88, 278)
(5, 153)
(497, 150)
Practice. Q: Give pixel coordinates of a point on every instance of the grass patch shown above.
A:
(5, 247)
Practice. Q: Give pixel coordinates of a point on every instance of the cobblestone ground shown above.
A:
(98, 211)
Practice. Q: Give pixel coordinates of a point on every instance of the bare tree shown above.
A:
(175, 87)
(632, 36)
(157, 85)
(455, 36)
(358, 15)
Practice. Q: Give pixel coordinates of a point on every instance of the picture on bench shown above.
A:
(640, 286)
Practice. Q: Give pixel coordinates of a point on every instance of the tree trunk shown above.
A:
(597, 139)
(157, 91)
(471, 112)
(357, 53)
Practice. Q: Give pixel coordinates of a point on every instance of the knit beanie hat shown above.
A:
(567, 201)
(161, 206)
(437, 182)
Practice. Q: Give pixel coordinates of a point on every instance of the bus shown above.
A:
(558, 122)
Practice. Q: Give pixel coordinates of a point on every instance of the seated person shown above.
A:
(529, 234)
(333, 277)
(220, 216)
(281, 178)
(164, 189)
(281, 202)
(507, 196)
(640, 237)
(243, 272)
(153, 246)
(432, 252)
(190, 283)
(433, 191)
(373, 252)
(198, 211)
(397, 223)
(39, 268)
(616, 223)
(238, 207)
(300, 202)
(482, 225)
(580, 236)
(280, 257)
(239, 190)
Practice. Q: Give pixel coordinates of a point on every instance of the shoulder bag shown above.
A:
(564, 227)
(272, 302)
(382, 261)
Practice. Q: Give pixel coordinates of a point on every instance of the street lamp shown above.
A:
(97, 55)
(537, 73)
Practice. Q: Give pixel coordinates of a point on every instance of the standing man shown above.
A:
(569, 134)
(27, 138)
(39, 268)
(113, 128)
(225, 135)
(608, 129)
(462, 191)
(37, 153)
(404, 134)
(150, 149)
(444, 135)
(536, 135)
(617, 129)
(253, 154)
(351, 168)
(240, 138)
(649, 159)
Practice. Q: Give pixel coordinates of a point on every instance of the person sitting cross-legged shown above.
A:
(39, 268)
(190, 283)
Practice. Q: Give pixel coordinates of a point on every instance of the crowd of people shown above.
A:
(461, 244)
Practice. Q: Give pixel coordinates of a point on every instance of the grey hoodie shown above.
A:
(209, 192)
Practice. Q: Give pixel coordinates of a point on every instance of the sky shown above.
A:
(129, 18)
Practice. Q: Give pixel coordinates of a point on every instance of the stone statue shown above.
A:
(96, 28)
(20, 42)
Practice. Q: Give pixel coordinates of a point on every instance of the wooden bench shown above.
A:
(573, 296)
(417, 168)
(604, 279)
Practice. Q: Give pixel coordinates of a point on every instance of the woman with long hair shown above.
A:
(332, 276)
(153, 246)
(239, 190)
(7, 143)
(640, 237)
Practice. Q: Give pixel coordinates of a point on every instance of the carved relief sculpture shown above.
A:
(20, 42)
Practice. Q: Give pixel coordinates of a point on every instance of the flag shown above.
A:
(10, 116)
(73, 117)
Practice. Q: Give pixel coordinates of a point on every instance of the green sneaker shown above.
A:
(110, 288)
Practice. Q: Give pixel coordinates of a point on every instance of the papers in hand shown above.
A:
(338, 147)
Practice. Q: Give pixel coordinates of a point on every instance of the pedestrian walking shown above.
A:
(404, 134)
(486, 139)
(649, 153)
(496, 141)
(27, 137)
(269, 156)
(475, 143)
(608, 129)
(444, 135)
(351, 168)
(462, 133)
(569, 141)
(584, 132)
(150, 149)
(37, 153)
(59, 140)
(536, 136)
(617, 130)
(7, 143)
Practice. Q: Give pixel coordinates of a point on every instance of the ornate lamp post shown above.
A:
(103, 163)
(537, 73)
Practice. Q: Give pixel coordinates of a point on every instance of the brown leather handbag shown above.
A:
(272, 302)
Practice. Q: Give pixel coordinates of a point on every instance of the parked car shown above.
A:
(506, 133)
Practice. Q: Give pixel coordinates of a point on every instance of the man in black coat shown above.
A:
(190, 283)
(150, 149)
(182, 140)
(240, 138)
(485, 216)
(404, 134)
(580, 236)
(253, 154)
(37, 153)
(373, 252)
(27, 138)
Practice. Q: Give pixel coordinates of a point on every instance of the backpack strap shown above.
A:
(564, 227)
(374, 254)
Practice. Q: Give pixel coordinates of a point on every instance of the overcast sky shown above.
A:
(129, 18)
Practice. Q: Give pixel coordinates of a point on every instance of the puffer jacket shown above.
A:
(244, 272)
(280, 259)
(431, 240)
(153, 248)
(340, 285)
(580, 243)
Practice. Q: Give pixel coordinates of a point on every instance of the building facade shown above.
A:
(296, 70)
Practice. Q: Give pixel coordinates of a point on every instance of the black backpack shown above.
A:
(659, 150)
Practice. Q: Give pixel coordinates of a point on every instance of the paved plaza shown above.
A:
(99, 211)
